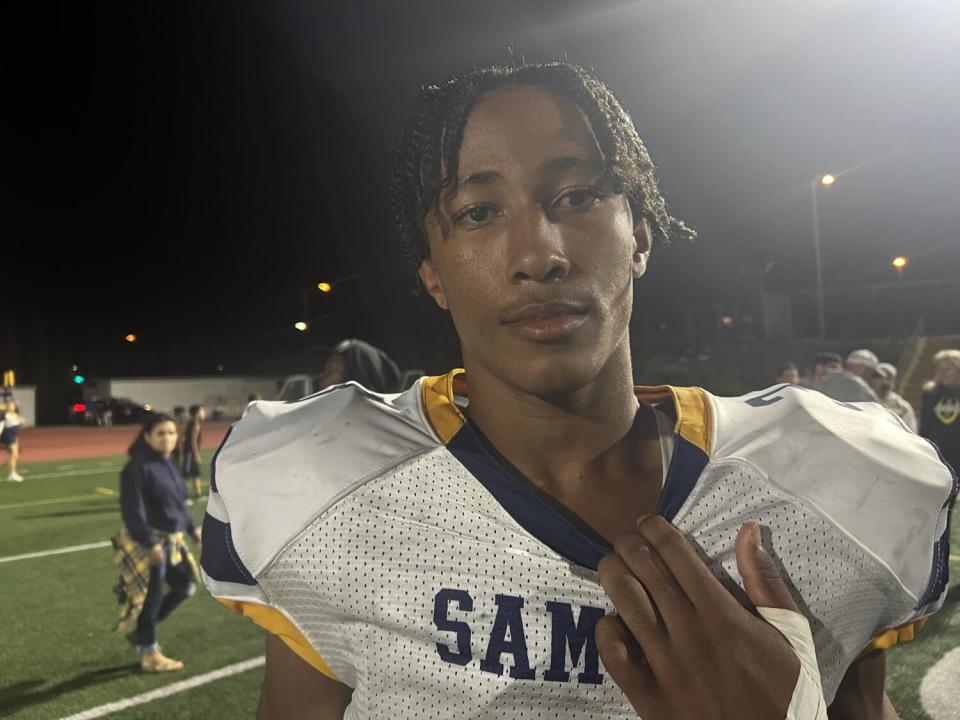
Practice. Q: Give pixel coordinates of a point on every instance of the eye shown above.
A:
(579, 198)
(475, 215)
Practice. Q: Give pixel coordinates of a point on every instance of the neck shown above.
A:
(558, 441)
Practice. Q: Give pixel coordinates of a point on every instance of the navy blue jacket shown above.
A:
(152, 496)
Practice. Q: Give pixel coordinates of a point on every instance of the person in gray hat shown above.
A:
(893, 401)
(852, 384)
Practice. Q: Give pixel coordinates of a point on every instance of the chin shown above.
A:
(551, 375)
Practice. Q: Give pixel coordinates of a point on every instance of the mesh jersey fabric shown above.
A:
(419, 584)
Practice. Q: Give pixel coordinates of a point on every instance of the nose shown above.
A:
(538, 253)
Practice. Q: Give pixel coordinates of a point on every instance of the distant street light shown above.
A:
(301, 326)
(131, 338)
(825, 180)
(324, 287)
(899, 263)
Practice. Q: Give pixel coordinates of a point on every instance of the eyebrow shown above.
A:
(553, 165)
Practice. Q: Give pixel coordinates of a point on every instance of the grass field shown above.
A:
(58, 656)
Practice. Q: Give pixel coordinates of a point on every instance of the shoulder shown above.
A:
(854, 464)
(284, 464)
(786, 428)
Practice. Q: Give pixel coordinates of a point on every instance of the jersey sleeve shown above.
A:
(278, 471)
(883, 487)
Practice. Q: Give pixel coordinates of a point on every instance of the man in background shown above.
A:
(192, 462)
(893, 401)
(852, 383)
(789, 374)
(940, 407)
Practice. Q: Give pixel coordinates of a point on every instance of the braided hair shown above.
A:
(428, 155)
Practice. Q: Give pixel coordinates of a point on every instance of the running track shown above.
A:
(71, 443)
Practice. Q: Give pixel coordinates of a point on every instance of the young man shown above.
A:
(471, 547)
(192, 460)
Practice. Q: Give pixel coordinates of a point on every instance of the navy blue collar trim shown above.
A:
(686, 465)
(535, 514)
(545, 522)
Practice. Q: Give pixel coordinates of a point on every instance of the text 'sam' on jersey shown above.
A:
(387, 547)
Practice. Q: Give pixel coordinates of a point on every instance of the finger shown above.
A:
(634, 607)
(761, 578)
(625, 662)
(668, 598)
(681, 560)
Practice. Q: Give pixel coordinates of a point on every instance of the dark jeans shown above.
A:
(157, 605)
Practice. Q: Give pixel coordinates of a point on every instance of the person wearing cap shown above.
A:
(852, 384)
(825, 363)
(893, 401)
(940, 407)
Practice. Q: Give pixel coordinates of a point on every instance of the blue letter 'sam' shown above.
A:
(441, 605)
(508, 618)
(564, 633)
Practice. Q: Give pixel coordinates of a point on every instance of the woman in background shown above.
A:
(152, 502)
(9, 431)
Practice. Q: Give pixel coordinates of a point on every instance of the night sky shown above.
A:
(186, 171)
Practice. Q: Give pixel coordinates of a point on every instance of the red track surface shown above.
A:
(70, 443)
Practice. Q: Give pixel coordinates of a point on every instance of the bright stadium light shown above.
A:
(324, 287)
(900, 262)
(301, 326)
(131, 338)
(828, 179)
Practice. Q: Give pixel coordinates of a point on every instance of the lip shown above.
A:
(547, 321)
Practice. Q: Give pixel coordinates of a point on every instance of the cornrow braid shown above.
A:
(427, 158)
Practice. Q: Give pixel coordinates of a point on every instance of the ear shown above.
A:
(643, 239)
(431, 281)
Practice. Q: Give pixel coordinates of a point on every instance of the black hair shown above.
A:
(428, 154)
(194, 409)
(139, 444)
(788, 366)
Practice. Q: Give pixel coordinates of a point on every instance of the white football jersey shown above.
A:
(380, 539)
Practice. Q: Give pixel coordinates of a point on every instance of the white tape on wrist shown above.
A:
(807, 702)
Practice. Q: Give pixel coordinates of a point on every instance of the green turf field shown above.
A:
(58, 656)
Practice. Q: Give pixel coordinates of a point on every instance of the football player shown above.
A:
(471, 547)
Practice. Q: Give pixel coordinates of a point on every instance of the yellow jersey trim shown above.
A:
(442, 412)
(276, 623)
(693, 411)
(895, 636)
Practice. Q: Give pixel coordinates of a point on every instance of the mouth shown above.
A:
(547, 321)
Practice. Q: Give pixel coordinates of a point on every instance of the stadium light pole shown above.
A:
(824, 180)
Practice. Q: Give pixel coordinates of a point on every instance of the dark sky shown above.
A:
(185, 170)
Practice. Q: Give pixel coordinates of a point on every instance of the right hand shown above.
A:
(156, 555)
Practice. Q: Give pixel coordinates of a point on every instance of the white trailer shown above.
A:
(224, 397)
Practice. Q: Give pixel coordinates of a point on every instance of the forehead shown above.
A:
(525, 126)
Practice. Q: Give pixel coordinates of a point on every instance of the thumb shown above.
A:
(761, 578)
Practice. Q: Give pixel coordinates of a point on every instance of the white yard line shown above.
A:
(69, 473)
(57, 501)
(168, 690)
(57, 551)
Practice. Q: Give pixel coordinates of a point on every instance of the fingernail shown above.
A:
(755, 534)
(641, 519)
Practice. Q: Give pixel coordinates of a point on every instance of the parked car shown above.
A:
(108, 411)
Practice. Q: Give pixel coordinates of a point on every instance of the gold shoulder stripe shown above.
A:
(444, 415)
(895, 636)
(694, 414)
(276, 623)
